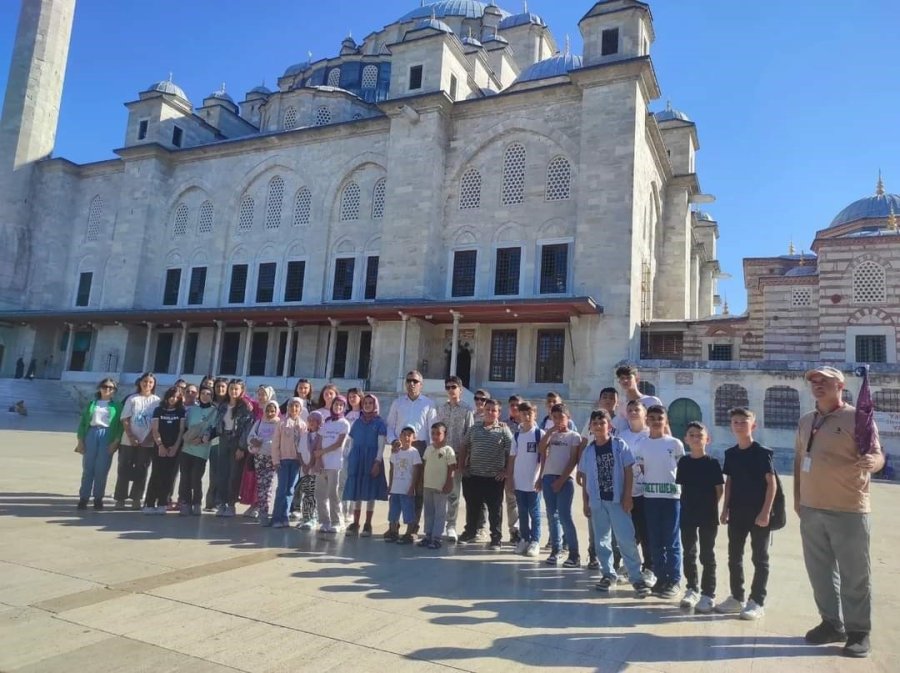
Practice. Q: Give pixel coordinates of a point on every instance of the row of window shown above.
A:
(549, 359)
(144, 127)
(558, 180)
(290, 120)
(553, 276)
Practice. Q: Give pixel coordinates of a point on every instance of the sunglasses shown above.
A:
(412, 382)
(480, 399)
(107, 387)
(452, 386)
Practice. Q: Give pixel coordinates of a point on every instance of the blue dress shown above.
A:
(361, 485)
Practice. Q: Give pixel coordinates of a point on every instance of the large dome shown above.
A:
(469, 9)
(554, 66)
(878, 206)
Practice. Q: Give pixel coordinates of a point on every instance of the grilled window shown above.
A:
(197, 286)
(554, 268)
(781, 408)
(506, 275)
(265, 283)
(550, 356)
(293, 284)
(238, 291)
(729, 396)
(343, 279)
(503, 355)
(463, 284)
(173, 285)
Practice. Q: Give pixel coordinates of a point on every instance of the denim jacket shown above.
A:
(622, 459)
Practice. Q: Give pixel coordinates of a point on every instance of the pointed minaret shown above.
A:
(28, 131)
(879, 187)
(791, 250)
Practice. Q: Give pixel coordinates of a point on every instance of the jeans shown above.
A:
(401, 503)
(190, 486)
(288, 473)
(160, 479)
(608, 518)
(559, 512)
(435, 511)
(95, 464)
(836, 552)
(211, 498)
(740, 525)
(529, 516)
(134, 462)
(662, 515)
(639, 519)
(327, 497)
(480, 492)
(512, 506)
(707, 538)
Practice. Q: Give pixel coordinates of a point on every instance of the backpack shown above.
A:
(778, 518)
(537, 437)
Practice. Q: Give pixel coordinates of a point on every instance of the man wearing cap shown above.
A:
(831, 497)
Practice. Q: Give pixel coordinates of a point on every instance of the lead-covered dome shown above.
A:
(169, 87)
(468, 9)
(878, 206)
(670, 114)
(555, 66)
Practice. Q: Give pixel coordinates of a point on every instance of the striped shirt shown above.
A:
(487, 448)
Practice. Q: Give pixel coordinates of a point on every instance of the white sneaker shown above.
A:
(522, 546)
(648, 577)
(293, 516)
(534, 549)
(622, 577)
(752, 611)
(690, 599)
(451, 535)
(705, 605)
(252, 512)
(306, 525)
(730, 606)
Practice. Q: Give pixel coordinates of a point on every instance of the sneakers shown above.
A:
(220, 510)
(252, 512)
(228, 512)
(553, 559)
(705, 605)
(514, 536)
(593, 563)
(184, 510)
(451, 535)
(366, 531)
(406, 539)
(353, 529)
(466, 538)
(424, 542)
(120, 504)
(649, 577)
(135, 504)
(641, 589)
(669, 591)
(306, 525)
(730, 606)
(98, 503)
(391, 536)
(572, 562)
(196, 510)
(294, 516)
(825, 633)
(495, 545)
(752, 611)
(522, 547)
(148, 510)
(82, 504)
(858, 645)
(434, 544)
(622, 576)
(534, 549)
(690, 599)
(604, 584)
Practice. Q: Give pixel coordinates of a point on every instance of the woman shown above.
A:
(220, 396)
(195, 452)
(99, 433)
(365, 464)
(136, 448)
(167, 431)
(303, 390)
(233, 424)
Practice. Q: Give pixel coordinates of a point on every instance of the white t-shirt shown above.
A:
(140, 410)
(631, 438)
(331, 430)
(528, 460)
(562, 448)
(100, 417)
(404, 462)
(658, 459)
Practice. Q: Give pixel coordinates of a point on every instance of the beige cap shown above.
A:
(829, 372)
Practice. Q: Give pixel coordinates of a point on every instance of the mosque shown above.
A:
(457, 193)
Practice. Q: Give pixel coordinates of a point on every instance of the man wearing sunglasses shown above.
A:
(458, 417)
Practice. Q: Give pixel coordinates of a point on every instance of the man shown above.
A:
(831, 497)
(485, 457)
(458, 417)
(628, 378)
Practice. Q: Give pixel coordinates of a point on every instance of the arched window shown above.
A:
(334, 77)
(559, 179)
(868, 283)
(205, 218)
(302, 203)
(350, 202)
(781, 408)
(369, 77)
(513, 175)
(470, 190)
(179, 226)
(274, 201)
(323, 116)
(887, 400)
(729, 396)
(378, 199)
(289, 121)
(646, 388)
(95, 213)
(245, 214)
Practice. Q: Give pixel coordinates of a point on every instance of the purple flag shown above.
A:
(865, 417)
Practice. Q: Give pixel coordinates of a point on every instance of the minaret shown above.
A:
(28, 131)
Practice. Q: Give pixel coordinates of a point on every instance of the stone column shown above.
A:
(217, 346)
(706, 289)
(245, 365)
(332, 345)
(70, 344)
(454, 342)
(179, 363)
(146, 364)
(401, 364)
(373, 323)
(286, 370)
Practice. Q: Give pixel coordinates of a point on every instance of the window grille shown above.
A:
(179, 227)
(343, 279)
(554, 268)
(378, 199)
(646, 388)
(371, 277)
(463, 284)
(323, 116)
(245, 217)
(173, 285)
(265, 283)
(293, 285)
(868, 283)
(781, 408)
(801, 297)
(274, 201)
(503, 355)
(887, 400)
(205, 218)
(289, 121)
(370, 77)
(729, 396)
(871, 348)
(506, 275)
(238, 289)
(513, 175)
(334, 77)
(559, 179)
(550, 356)
(197, 285)
(95, 213)
(83, 297)
(350, 202)
(302, 204)
(470, 190)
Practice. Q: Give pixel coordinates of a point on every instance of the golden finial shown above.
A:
(803, 258)
(892, 220)
(879, 188)
(791, 250)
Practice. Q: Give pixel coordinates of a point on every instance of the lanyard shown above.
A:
(818, 422)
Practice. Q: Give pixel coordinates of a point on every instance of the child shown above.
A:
(701, 489)
(637, 430)
(260, 446)
(524, 473)
(658, 456)
(167, 429)
(749, 494)
(440, 464)
(606, 468)
(201, 418)
(287, 458)
(313, 440)
(406, 463)
(330, 455)
(559, 449)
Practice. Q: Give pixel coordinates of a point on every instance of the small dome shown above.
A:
(296, 69)
(468, 9)
(168, 86)
(799, 271)
(432, 24)
(220, 95)
(878, 206)
(261, 89)
(555, 66)
(472, 42)
(494, 38)
(670, 114)
(523, 19)
(703, 216)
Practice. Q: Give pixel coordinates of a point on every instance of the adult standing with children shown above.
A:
(832, 473)
(99, 432)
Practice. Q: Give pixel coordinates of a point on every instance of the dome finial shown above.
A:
(170, 79)
(669, 105)
(803, 258)
(879, 188)
(791, 249)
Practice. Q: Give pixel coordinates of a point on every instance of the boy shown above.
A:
(524, 473)
(440, 464)
(701, 490)
(406, 464)
(658, 455)
(637, 430)
(559, 449)
(553, 398)
(749, 494)
(606, 471)
(627, 376)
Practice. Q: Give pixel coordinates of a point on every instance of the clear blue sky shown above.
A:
(796, 102)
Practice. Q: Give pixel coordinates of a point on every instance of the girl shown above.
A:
(99, 433)
(354, 403)
(260, 446)
(331, 455)
(136, 449)
(263, 395)
(308, 480)
(303, 390)
(220, 396)
(559, 449)
(365, 464)
(167, 430)
(287, 459)
(326, 397)
(234, 421)
(354, 399)
(201, 418)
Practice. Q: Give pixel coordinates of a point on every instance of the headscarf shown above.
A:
(271, 402)
(364, 416)
(335, 416)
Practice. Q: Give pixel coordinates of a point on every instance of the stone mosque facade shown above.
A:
(457, 193)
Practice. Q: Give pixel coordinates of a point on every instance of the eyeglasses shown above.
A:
(107, 387)
(480, 399)
(452, 386)
(412, 382)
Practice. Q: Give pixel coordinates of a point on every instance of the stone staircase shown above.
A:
(41, 396)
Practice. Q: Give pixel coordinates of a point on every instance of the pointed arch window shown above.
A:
(334, 77)
(205, 218)
(513, 175)
(559, 179)
(378, 199)
(350, 202)
(274, 202)
(179, 226)
(95, 215)
(470, 190)
(245, 214)
(302, 203)
(289, 121)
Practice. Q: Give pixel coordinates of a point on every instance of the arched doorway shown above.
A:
(681, 412)
(463, 364)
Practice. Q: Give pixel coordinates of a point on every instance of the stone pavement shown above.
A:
(113, 591)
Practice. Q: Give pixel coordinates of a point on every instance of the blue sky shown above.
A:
(795, 102)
